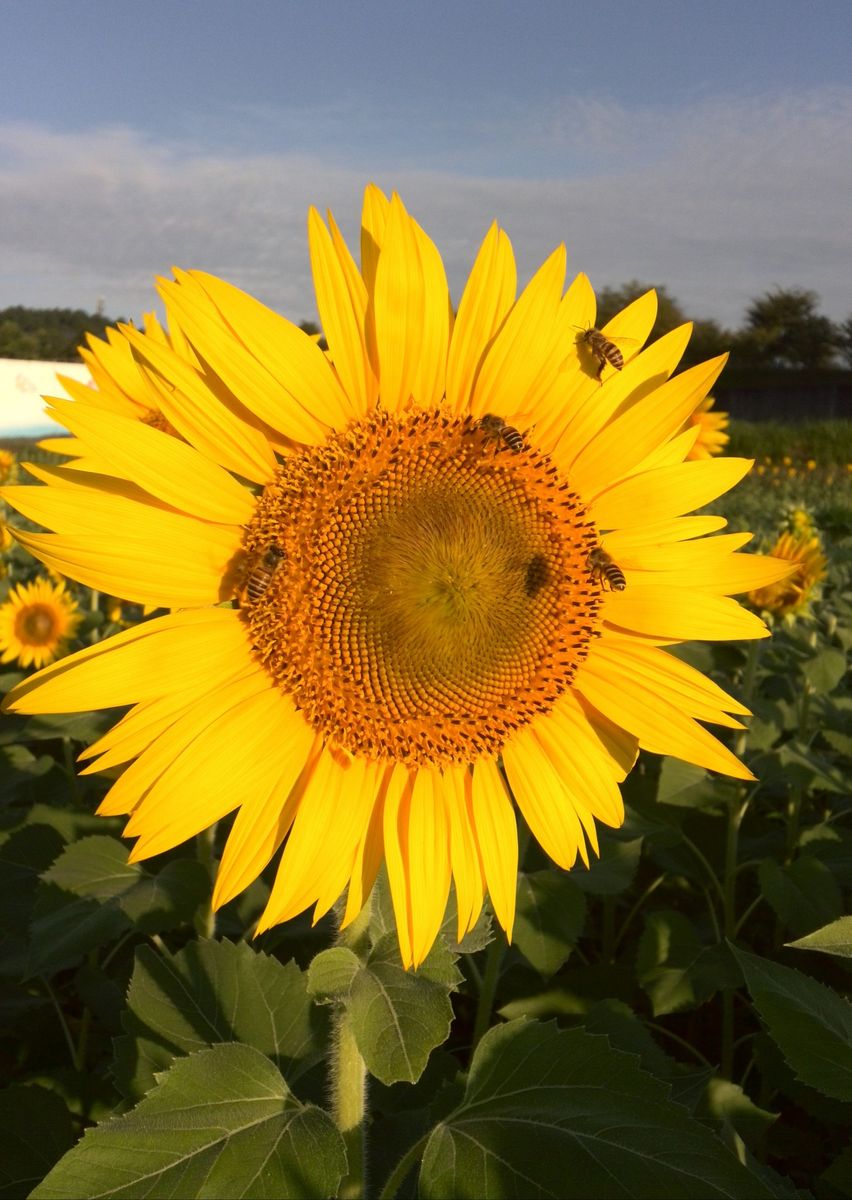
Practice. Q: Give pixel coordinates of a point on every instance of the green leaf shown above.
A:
(24, 854)
(398, 1016)
(613, 872)
(213, 992)
(811, 1024)
(626, 1032)
(835, 938)
(552, 1113)
(20, 771)
(551, 911)
(839, 1174)
(35, 1131)
(331, 973)
(825, 670)
(803, 895)
(168, 899)
(672, 963)
(684, 785)
(727, 1102)
(220, 1123)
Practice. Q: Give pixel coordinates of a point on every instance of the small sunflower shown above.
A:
(790, 598)
(8, 466)
(422, 582)
(711, 438)
(37, 620)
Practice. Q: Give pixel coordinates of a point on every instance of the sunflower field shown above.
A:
(670, 1015)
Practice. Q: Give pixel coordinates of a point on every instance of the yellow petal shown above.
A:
(299, 414)
(487, 298)
(641, 428)
(682, 613)
(428, 861)
(395, 828)
(497, 837)
(267, 811)
(661, 726)
(206, 419)
(668, 492)
(596, 403)
(526, 347)
(138, 664)
(342, 305)
(197, 569)
(464, 851)
(331, 817)
(162, 464)
(544, 799)
(135, 785)
(369, 854)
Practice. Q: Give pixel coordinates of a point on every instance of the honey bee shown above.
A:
(600, 565)
(603, 350)
(495, 427)
(260, 576)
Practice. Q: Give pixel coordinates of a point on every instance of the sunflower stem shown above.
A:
(490, 979)
(349, 1074)
(794, 803)
(737, 808)
(68, 757)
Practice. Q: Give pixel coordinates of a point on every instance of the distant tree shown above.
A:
(845, 340)
(784, 329)
(708, 340)
(48, 333)
(613, 300)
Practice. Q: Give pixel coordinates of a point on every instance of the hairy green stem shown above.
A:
(349, 1074)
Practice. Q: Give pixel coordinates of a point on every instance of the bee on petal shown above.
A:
(600, 566)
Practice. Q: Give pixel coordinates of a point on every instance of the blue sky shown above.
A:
(704, 146)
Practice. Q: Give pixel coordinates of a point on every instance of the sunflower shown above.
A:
(36, 622)
(8, 466)
(711, 438)
(791, 597)
(423, 582)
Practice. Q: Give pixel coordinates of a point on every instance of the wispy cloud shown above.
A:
(719, 202)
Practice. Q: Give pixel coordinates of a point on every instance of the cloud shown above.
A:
(719, 202)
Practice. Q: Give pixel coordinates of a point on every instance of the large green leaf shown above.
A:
(35, 1131)
(550, 915)
(213, 992)
(398, 1016)
(811, 1024)
(220, 1123)
(552, 1113)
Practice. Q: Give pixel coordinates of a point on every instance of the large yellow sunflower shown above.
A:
(709, 427)
(444, 600)
(36, 622)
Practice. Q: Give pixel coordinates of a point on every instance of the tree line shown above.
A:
(783, 330)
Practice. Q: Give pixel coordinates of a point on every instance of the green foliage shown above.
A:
(784, 329)
(52, 334)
